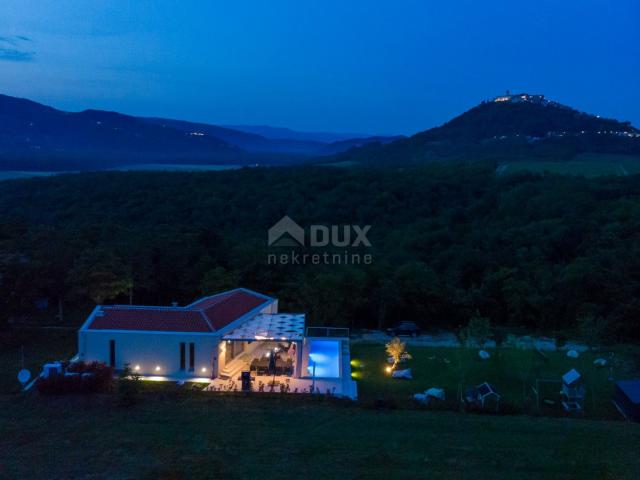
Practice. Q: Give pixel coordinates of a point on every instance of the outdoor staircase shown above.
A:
(239, 364)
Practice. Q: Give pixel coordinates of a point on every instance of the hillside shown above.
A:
(345, 145)
(505, 129)
(248, 141)
(36, 136)
(520, 126)
(283, 133)
(300, 143)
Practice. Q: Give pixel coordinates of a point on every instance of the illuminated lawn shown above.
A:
(175, 435)
(513, 372)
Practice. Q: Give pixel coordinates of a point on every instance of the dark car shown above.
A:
(405, 328)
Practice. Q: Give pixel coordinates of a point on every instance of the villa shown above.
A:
(234, 340)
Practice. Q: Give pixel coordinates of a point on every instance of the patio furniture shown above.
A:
(261, 366)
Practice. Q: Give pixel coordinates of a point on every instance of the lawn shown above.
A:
(176, 435)
(512, 371)
(36, 347)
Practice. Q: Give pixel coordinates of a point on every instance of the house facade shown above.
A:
(215, 339)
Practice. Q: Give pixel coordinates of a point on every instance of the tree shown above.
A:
(387, 297)
(217, 280)
(526, 250)
(420, 292)
(478, 330)
(99, 276)
(592, 329)
(397, 349)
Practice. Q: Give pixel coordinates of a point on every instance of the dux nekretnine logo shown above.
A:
(285, 233)
(341, 242)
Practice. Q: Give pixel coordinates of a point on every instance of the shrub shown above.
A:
(78, 377)
(128, 387)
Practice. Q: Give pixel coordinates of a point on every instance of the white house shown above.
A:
(215, 339)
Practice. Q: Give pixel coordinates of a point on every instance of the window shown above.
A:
(182, 356)
(192, 356)
(112, 353)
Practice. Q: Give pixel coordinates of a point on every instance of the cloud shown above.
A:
(11, 49)
(13, 55)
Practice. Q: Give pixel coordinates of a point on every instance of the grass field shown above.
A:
(191, 436)
(176, 433)
(512, 371)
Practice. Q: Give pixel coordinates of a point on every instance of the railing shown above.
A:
(334, 332)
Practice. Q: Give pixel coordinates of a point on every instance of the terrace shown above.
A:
(268, 343)
(279, 356)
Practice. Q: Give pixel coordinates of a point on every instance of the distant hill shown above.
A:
(276, 142)
(35, 136)
(508, 127)
(251, 142)
(344, 145)
(280, 133)
(504, 129)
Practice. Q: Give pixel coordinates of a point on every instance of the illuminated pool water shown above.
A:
(325, 354)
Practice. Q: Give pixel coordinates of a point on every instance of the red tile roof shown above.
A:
(206, 315)
(232, 307)
(150, 319)
(207, 302)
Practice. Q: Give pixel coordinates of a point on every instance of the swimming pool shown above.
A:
(325, 354)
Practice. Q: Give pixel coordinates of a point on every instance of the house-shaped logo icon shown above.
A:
(285, 233)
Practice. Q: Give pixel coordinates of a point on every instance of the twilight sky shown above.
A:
(346, 65)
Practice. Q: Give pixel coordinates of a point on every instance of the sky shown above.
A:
(376, 67)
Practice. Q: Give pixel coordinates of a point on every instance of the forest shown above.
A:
(545, 253)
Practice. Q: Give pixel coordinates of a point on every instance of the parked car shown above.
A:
(405, 328)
